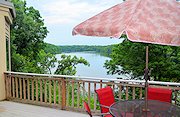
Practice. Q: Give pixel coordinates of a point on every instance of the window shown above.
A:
(8, 52)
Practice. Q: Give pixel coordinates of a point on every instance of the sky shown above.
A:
(61, 16)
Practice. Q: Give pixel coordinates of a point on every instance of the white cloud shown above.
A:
(73, 11)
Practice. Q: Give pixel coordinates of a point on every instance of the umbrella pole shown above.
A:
(146, 80)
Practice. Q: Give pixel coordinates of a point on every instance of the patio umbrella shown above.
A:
(147, 21)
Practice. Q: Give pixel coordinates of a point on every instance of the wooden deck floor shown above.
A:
(13, 109)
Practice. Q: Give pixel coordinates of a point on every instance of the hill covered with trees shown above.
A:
(103, 50)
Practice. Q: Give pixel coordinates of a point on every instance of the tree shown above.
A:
(29, 52)
(129, 58)
(28, 30)
(27, 35)
(46, 62)
(67, 65)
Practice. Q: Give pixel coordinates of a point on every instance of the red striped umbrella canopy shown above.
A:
(149, 21)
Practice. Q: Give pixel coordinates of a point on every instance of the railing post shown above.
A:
(63, 94)
(6, 86)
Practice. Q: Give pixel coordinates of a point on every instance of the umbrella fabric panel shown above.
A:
(109, 23)
(156, 21)
(149, 21)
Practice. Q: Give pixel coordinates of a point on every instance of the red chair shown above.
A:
(159, 94)
(86, 106)
(106, 99)
(88, 110)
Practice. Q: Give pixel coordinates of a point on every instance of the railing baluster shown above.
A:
(175, 98)
(83, 89)
(89, 91)
(6, 86)
(32, 97)
(95, 97)
(20, 84)
(134, 95)
(100, 84)
(45, 91)
(13, 87)
(50, 91)
(120, 92)
(127, 93)
(72, 94)
(41, 91)
(17, 88)
(63, 94)
(28, 88)
(10, 86)
(67, 93)
(54, 91)
(140, 95)
(113, 86)
(59, 88)
(24, 89)
(78, 94)
(37, 90)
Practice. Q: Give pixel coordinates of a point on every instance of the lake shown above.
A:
(95, 69)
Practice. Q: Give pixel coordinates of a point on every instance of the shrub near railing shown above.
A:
(68, 92)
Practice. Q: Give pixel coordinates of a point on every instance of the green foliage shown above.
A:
(42, 64)
(46, 61)
(164, 61)
(28, 30)
(53, 49)
(29, 52)
(103, 50)
(18, 62)
(27, 35)
(67, 64)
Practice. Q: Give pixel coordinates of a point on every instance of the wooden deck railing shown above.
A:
(68, 92)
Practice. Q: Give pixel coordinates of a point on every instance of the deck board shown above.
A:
(13, 109)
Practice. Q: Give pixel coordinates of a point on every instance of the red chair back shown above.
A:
(86, 106)
(159, 94)
(105, 97)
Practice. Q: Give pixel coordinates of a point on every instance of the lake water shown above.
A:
(95, 69)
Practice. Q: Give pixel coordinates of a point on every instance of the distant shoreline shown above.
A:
(103, 50)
